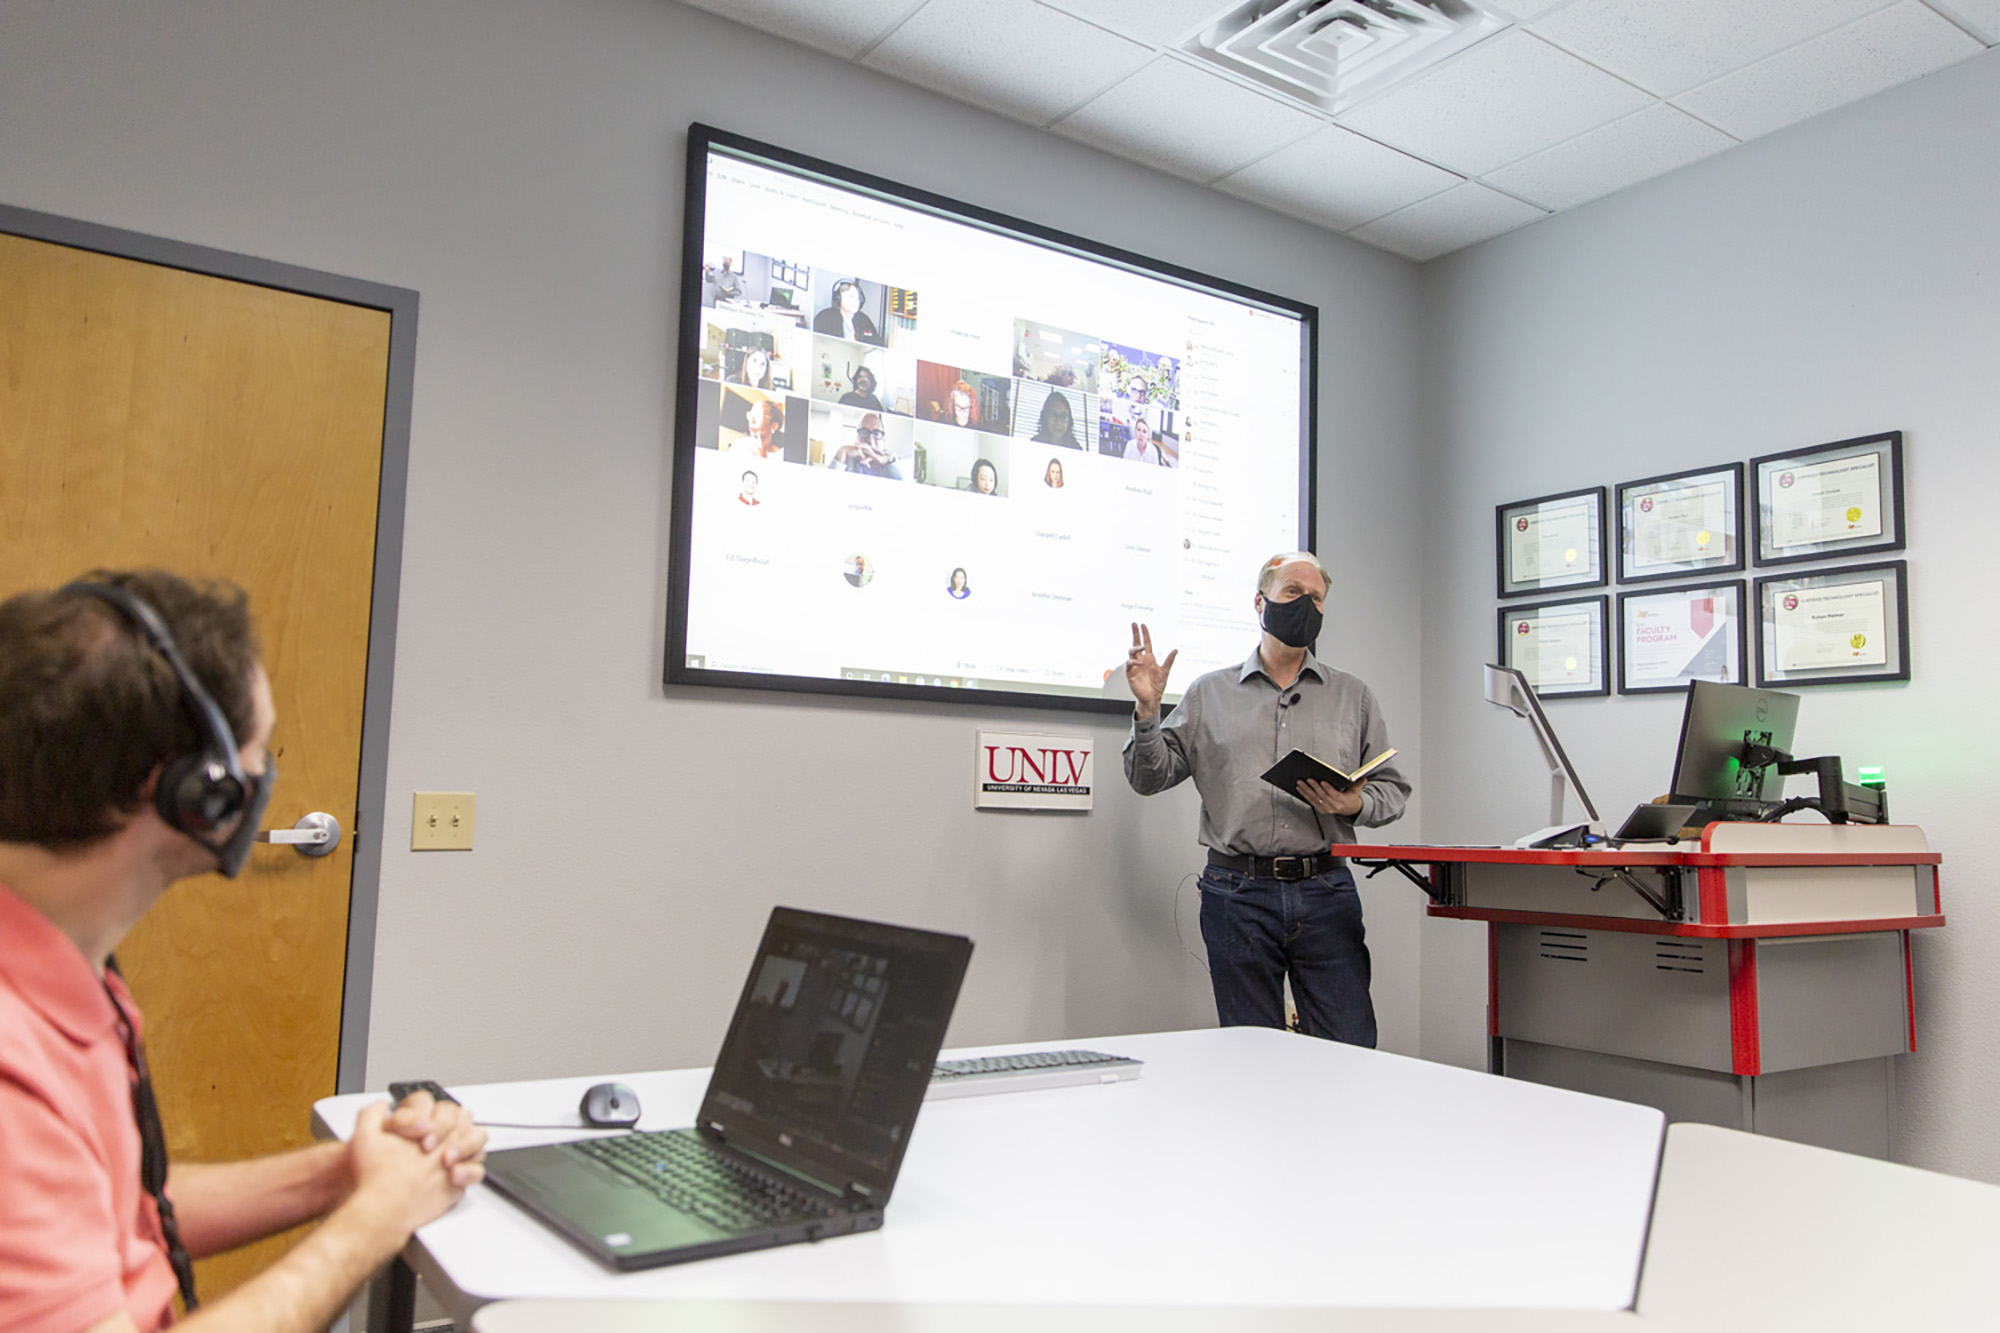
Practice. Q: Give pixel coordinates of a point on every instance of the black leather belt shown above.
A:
(1274, 867)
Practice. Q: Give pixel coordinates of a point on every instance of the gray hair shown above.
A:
(1268, 575)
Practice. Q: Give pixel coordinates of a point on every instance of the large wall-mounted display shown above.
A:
(924, 449)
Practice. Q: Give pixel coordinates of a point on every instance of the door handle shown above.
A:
(314, 835)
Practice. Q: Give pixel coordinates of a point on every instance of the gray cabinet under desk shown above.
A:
(1762, 982)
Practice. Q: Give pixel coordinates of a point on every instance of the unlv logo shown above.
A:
(1032, 772)
(1044, 769)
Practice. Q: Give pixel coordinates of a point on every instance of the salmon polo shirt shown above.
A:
(79, 1238)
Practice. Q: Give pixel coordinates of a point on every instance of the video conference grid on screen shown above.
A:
(931, 453)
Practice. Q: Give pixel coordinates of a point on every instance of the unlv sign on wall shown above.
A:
(1018, 772)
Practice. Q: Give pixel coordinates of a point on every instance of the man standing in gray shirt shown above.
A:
(1274, 902)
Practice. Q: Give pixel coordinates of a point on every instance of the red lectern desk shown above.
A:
(1761, 981)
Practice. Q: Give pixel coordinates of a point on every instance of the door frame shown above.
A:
(372, 790)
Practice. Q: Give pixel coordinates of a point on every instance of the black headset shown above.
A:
(198, 793)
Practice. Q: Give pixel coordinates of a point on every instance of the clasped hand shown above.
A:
(415, 1162)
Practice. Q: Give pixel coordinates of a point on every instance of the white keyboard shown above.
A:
(1030, 1069)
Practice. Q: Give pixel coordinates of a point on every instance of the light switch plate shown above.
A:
(441, 821)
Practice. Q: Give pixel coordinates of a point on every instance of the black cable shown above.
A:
(601, 1129)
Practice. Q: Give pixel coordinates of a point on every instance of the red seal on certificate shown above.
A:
(1520, 525)
(1784, 479)
(1521, 628)
(1791, 601)
(1646, 505)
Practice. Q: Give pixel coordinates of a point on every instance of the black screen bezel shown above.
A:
(704, 138)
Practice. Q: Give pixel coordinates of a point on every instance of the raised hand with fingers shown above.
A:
(1146, 674)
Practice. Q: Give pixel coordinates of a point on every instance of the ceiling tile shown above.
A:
(1338, 179)
(1527, 9)
(1669, 46)
(1166, 22)
(1847, 64)
(1187, 121)
(1051, 63)
(1644, 144)
(1983, 16)
(844, 27)
(1450, 221)
(1507, 97)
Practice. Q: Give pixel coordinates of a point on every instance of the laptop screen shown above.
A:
(831, 1048)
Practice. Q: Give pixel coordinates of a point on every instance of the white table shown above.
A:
(1749, 1233)
(1247, 1167)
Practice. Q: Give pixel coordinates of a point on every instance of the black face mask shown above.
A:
(231, 853)
(1295, 623)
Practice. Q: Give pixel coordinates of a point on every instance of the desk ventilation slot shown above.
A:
(1568, 946)
(1678, 956)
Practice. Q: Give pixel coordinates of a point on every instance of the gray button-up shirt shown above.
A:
(1234, 723)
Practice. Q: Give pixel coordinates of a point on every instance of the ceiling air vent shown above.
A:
(1333, 53)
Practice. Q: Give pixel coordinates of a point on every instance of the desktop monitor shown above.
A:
(1719, 723)
(1508, 688)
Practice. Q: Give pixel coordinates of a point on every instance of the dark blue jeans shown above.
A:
(1259, 930)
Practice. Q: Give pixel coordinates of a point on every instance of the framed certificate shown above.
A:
(1560, 647)
(1556, 541)
(1834, 628)
(1681, 525)
(1838, 499)
(1669, 637)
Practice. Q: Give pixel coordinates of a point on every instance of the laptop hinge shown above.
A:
(859, 1194)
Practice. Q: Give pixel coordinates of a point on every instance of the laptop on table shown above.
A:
(806, 1118)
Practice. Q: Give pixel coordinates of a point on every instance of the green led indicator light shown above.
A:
(1872, 776)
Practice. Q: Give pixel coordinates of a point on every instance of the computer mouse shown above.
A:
(609, 1105)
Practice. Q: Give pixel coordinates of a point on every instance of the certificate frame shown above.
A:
(1596, 680)
(1633, 606)
(1509, 519)
(1772, 476)
(1635, 499)
(1891, 575)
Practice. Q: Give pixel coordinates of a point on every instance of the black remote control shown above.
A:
(399, 1091)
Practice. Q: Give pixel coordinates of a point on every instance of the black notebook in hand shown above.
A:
(1297, 766)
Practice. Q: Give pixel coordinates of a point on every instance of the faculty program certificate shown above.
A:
(1846, 625)
(1679, 526)
(1551, 543)
(1672, 639)
(1813, 503)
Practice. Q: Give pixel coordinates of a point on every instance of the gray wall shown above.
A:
(1836, 279)
(518, 162)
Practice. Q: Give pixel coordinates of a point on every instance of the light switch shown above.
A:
(441, 821)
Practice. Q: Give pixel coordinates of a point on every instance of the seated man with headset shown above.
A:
(121, 698)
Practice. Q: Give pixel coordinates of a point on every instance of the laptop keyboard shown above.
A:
(685, 1173)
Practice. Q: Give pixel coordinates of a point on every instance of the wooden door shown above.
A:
(155, 417)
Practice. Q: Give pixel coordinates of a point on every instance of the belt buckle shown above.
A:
(1291, 867)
